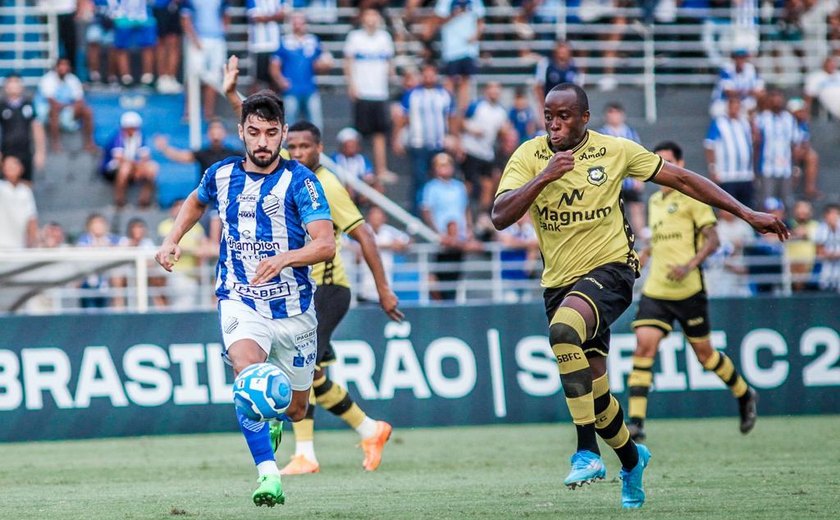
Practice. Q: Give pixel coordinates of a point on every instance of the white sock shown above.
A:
(267, 467)
(307, 449)
(367, 428)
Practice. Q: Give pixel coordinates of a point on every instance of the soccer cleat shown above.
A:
(587, 467)
(637, 432)
(276, 432)
(632, 490)
(373, 445)
(300, 465)
(270, 491)
(749, 411)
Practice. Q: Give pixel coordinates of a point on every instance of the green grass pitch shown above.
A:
(787, 468)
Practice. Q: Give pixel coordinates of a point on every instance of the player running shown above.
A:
(570, 181)
(275, 224)
(683, 236)
(332, 300)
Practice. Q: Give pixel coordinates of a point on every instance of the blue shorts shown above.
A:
(135, 36)
(461, 67)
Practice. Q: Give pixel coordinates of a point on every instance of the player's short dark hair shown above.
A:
(306, 126)
(264, 104)
(582, 98)
(135, 221)
(14, 74)
(670, 146)
(831, 207)
(613, 105)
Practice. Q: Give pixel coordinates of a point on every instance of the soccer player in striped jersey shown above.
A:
(275, 224)
(570, 181)
(331, 301)
(683, 235)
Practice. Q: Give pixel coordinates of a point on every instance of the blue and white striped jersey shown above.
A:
(779, 132)
(743, 82)
(731, 140)
(263, 216)
(428, 111)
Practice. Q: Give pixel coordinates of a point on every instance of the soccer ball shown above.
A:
(262, 392)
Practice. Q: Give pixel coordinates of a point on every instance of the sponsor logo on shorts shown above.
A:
(594, 282)
(305, 337)
(695, 321)
(266, 291)
(231, 324)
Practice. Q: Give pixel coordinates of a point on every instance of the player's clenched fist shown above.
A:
(559, 164)
(167, 255)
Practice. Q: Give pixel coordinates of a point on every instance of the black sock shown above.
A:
(586, 438)
(628, 455)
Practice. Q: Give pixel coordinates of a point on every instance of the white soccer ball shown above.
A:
(262, 392)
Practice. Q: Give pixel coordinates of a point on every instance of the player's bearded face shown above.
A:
(262, 141)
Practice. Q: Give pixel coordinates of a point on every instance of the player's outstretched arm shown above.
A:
(320, 249)
(387, 299)
(169, 252)
(510, 206)
(700, 188)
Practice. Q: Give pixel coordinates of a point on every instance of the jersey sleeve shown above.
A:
(520, 169)
(641, 164)
(207, 189)
(345, 215)
(702, 214)
(310, 199)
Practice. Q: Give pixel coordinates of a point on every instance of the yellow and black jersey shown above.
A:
(580, 218)
(346, 217)
(675, 221)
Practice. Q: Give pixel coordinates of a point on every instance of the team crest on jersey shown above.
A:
(597, 176)
(672, 208)
(271, 205)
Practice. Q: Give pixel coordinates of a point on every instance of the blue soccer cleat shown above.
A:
(587, 467)
(632, 491)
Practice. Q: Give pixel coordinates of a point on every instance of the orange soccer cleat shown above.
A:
(300, 465)
(373, 445)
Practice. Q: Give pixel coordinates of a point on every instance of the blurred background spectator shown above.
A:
(461, 24)
(738, 77)
(168, 60)
(350, 158)
(96, 286)
(204, 23)
(99, 37)
(522, 116)
(62, 102)
(294, 66)
(18, 214)
(801, 249)
(729, 152)
(134, 28)
(806, 160)
(775, 140)
(214, 150)
(65, 13)
(823, 85)
(553, 70)
(368, 67)
(632, 190)
(427, 117)
(21, 133)
(264, 33)
(127, 159)
(389, 240)
(827, 238)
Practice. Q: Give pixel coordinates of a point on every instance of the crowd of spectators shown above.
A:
(456, 135)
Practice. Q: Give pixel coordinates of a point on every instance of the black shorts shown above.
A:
(168, 21)
(262, 61)
(692, 314)
(371, 117)
(331, 304)
(461, 67)
(609, 291)
(475, 169)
